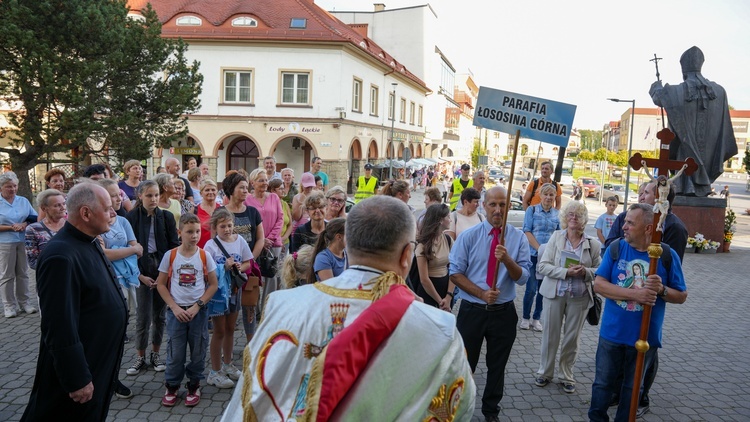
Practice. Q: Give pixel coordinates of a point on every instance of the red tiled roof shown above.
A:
(739, 113)
(273, 17)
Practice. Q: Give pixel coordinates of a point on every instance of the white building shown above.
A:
(293, 82)
(411, 34)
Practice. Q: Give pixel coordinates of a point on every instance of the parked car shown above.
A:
(496, 175)
(590, 186)
(516, 213)
(618, 191)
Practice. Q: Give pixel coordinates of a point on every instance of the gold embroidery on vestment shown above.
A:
(444, 405)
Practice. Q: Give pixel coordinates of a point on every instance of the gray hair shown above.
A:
(386, 216)
(82, 195)
(336, 190)
(8, 176)
(578, 209)
(648, 211)
(45, 195)
(162, 179)
(290, 170)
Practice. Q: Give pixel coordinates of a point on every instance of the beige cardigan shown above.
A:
(548, 264)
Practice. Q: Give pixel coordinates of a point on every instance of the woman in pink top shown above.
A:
(269, 207)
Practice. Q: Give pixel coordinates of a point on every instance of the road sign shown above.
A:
(536, 118)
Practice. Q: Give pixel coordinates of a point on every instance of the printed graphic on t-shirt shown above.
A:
(632, 276)
(188, 275)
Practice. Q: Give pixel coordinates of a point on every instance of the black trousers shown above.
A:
(496, 324)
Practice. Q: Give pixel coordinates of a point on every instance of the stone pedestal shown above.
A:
(337, 171)
(702, 215)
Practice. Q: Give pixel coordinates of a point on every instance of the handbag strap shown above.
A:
(224, 251)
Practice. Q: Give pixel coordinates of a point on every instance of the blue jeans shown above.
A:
(532, 289)
(613, 359)
(182, 335)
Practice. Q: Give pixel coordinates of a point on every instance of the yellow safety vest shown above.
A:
(457, 189)
(365, 189)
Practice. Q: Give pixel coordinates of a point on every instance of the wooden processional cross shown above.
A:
(663, 164)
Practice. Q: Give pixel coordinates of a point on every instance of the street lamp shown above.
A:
(393, 124)
(630, 146)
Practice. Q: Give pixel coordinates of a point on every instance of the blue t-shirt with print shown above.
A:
(326, 260)
(621, 320)
(604, 222)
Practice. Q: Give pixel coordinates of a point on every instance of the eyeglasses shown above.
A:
(573, 215)
(313, 209)
(336, 200)
(413, 243)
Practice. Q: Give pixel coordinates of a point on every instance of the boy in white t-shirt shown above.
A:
(186, 282)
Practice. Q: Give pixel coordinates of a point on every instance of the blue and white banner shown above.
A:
(539, 119)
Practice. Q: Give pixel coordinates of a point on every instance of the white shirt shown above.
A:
(188, 283)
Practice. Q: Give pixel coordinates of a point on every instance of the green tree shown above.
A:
(86, 77)
(476, 151)
(600, 154)
(586, 155)
(590, 139)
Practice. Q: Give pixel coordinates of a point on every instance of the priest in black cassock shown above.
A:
(83, 314)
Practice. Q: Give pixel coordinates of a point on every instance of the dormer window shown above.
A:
(189, 21)
(244, 21)
(298, 23)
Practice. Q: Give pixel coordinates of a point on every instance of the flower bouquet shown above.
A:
(701, 244)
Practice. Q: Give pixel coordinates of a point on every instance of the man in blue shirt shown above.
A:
(485, 312)
(627, 288)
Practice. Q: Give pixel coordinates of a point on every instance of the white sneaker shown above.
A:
(10, 312)
(230, 371)
(219, 380)
(29, 309)
(536, 325)
(524, 324)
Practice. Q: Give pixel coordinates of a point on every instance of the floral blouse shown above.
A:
(37, 237)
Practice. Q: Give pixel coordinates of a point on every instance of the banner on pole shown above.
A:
(537, 118)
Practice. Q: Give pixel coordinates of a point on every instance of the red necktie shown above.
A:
(492, 261)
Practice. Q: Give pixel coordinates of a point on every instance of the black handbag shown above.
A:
(238, 279)
(268, 263)
(595, 312)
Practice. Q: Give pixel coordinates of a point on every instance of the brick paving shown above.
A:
(702, 371)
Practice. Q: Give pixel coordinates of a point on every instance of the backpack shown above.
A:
(666, 254)
(536, 185)
(173, 255)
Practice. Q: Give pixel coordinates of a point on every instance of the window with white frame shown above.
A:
(189, 21)
(295, 88)
(412, 107)
(421, 111)
(403, 110)
(374, 98)
(357, 95)
(238, 86)
(244, 21)
(391, 106)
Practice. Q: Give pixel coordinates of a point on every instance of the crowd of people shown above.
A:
(188, 252)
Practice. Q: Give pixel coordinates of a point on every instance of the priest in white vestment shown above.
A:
(358, 346)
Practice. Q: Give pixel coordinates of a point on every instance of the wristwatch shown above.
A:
(200, 303)
(664, 292)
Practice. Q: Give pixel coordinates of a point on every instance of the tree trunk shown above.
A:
(21, 166)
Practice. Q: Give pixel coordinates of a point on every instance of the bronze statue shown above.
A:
(698, 114)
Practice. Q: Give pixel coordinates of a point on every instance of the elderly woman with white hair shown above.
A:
(16, 213)
(568, 264)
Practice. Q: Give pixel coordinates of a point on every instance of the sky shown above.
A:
(582, 52)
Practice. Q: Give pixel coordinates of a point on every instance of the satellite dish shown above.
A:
(406, 154)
